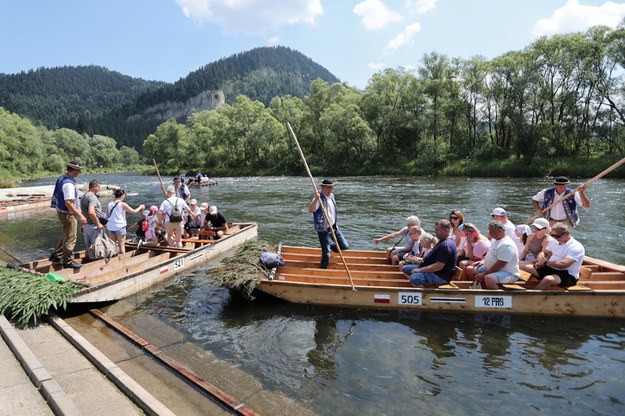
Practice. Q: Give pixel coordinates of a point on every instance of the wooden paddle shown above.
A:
(323, 208)
(160, 179)
(585, 185)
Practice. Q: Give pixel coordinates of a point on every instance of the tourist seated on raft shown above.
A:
(561, 261)
(522, 233)
(439, 265)
(501, 263)
(398, 254)
(415, 255)
(456, 218)
(474, 249)
(426, 243)
(537, 242)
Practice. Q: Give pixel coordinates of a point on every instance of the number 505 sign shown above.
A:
(409, 298)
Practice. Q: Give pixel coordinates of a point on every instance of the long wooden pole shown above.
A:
(323, 208)
(584, 185)
(160, 179)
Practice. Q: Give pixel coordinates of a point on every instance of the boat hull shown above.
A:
(378, 285)
(137, 270)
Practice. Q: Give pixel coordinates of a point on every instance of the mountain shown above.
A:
(98, 106)
(55, 97)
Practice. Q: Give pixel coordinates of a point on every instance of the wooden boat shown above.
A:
(144, 266)
(600, 292)
(203, 182)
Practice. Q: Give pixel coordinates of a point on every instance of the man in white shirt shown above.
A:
(561, 261)
(501, 263)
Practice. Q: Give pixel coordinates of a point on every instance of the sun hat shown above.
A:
(204, 206)
(498, 212)
(561, 180)
(193, 202)
(524, 229)
(327, 182)
(73, 165)
(212, 210)
(153, 208)
(540, 223)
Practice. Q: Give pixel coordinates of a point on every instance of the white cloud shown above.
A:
(421, 6)
(575, 17)
(252, 16)
(273, 41)
(374, 65)
(374, 14)
(404, 37)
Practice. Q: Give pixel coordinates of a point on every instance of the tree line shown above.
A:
(27, 150)
(561, 98)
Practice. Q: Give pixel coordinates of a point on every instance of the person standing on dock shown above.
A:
(323, 224)
(65, 200)
(566, 210)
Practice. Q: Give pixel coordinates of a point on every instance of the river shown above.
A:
(350, 361)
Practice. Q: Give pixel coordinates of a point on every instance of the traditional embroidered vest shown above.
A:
(58, 196)
(569, 204)
(319, 220)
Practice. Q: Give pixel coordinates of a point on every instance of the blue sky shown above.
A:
(166, 39)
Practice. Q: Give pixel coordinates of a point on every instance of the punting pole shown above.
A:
(323, 208)
(585, 184)
(160, 179)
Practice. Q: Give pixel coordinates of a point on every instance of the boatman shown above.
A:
(566, 210)
(65, 200)
(322, 224)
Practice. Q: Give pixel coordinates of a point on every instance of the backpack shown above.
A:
(176, 215)
(103, 248)
(145, 225)
(270, 260)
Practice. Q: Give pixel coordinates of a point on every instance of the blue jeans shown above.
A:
(422, 279)
(327, 243)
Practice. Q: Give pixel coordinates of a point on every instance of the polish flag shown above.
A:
(379, 298)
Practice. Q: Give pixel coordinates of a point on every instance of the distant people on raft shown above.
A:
(181, 189)
(324, 226)
(565, 208)
(65, 200)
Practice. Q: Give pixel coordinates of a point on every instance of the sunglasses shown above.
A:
(453, 218)
(558, 235)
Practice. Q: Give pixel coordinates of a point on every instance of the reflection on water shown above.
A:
(350, 361)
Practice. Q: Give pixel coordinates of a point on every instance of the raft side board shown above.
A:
(531, 302)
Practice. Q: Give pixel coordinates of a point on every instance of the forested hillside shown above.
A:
(94, 100)
(57, 97)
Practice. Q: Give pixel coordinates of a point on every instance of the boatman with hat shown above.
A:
(65, 200)
(564, 211)
(322, 224)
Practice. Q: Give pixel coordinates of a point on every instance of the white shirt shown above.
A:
(572, 249)
(503, 250)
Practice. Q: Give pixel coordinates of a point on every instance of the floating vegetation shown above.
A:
(26, 297)
(242, 270)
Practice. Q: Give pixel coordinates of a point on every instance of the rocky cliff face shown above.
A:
(207, 100)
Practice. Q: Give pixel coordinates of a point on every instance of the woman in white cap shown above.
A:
(537, 242)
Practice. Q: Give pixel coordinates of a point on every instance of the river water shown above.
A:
(350, 361)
